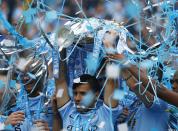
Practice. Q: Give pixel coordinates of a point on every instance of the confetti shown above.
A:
(59, 93)
(118, 94)
(50, 16)
(112, 71)
(87, 99)
(122, 127)
(2, 126)
(101, 124)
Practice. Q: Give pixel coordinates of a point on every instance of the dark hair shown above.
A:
(91, 80)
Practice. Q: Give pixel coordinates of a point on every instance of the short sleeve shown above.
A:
(114, 112)
(65, 109)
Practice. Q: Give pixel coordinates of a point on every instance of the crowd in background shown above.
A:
(104, 9)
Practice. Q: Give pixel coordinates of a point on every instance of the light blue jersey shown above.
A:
(45, 114)
(3, 118)
(100, 119)
(154, 118)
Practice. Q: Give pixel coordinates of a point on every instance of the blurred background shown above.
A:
(117, 10)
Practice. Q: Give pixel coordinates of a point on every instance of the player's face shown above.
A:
(29, 83)
(80, 94)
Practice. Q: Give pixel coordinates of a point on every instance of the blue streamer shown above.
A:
(50, 16)
(2, 84)
(55, 58)
(29, 14)
(23, 41)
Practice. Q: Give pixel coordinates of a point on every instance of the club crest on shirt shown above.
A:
(82, 128)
